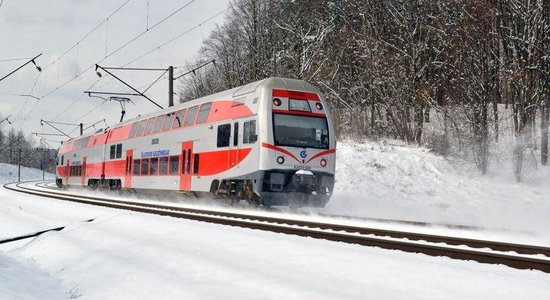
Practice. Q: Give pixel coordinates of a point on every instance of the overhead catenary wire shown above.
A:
(135, 59)
(177, 37)
(87, 34)
(120, 48)
(14, 59)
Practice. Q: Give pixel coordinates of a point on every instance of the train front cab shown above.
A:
(298, 156)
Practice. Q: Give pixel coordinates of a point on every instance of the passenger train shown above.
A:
(270, 142)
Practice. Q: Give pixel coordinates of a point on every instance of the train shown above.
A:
(271, 142)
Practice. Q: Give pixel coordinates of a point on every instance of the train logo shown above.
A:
(303, 154)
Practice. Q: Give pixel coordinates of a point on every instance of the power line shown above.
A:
(14, 59)
(177, 37)
(121, 47)
(88, 34)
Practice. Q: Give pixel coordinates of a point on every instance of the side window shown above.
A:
(149, 127)
(112, 152)
(249, 132)
(62, 159)
(196, 163)
(145, 166)
(178, 122)
(236, 134)
(168, 121)
(224, 133)
(118, 150)
(203, 112)
(188, 161)
(137, 168)
(163, 167)
(158, 124)
(190, 118)
(174, 162)
(141, 128)
(133, 130)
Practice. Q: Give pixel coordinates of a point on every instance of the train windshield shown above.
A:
(300, 131)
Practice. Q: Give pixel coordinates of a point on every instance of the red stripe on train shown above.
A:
(326, 152)
(296, 95)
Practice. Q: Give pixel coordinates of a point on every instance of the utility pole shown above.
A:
(19, 164)
(170, 86)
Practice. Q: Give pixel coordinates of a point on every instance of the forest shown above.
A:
(17, 148)
(479, 69)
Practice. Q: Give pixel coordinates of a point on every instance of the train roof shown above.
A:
(235, 93)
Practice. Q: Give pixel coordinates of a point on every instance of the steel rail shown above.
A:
(386, 239)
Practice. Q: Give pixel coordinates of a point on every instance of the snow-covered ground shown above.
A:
(392, 180)
(126, 255)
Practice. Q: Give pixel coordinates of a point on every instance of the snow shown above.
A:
(394, 181)
(128, 255)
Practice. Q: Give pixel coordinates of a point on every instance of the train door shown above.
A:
(67, 171)
(234, 146)
(129, 171)
(83, 171)
(186, 165)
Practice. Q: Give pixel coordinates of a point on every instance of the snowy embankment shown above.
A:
(395, 181)
(126, 255)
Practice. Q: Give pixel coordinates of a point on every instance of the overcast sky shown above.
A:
(51, 27)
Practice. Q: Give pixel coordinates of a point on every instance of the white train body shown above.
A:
(271, 142)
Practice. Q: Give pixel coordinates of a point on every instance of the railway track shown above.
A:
(518, 256)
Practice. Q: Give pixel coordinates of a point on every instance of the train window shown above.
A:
(178, 122)
(137, 168)
(224, 133)
(133, 130)
(118, 150)
(141, 128)
(145, 166)
(190, 118)
(168, 121)
(154, 166)
(174, 162)
(203, 112)
(158, 124)
(196, 163)
(249, 132)
(149, 127)
(163, 167)
(112, 152)
(236, 134)
(188, 161)
(300, 131)
(62, 159)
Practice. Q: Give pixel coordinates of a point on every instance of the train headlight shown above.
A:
(277, 102)
(280, 160)
(323, 162)
(319, 106)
